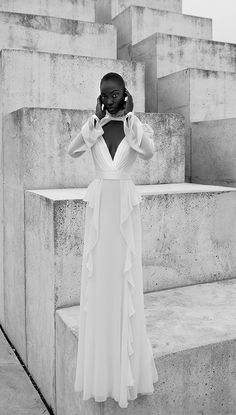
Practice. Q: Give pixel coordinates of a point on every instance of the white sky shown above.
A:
(222, 13)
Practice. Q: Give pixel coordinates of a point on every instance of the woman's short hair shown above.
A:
(115, 76)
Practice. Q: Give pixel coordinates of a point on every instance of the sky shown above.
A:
(222, 13)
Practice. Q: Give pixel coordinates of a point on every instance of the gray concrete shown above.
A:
(29, 78)
(198, 95)
(164, 54)
(182, 245)
(137, 23)
(18, 396)
(213, 150)
(106, 10)
(51, 34)
(192, 332)
(69, 9)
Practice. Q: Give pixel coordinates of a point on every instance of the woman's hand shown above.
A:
(129, 104)
(99, 111)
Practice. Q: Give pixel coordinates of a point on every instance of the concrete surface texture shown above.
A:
(18, 395)
(166, 53)
(192, 332)
(106, 10)
(199, 95)
(137, 23)
(213, 152)
(51, 34)
(81, 10)
(182, 245)
(52, 59)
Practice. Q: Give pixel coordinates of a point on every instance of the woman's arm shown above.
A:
(139, 136)
(86, 137)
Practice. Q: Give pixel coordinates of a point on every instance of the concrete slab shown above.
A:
(18, 396)
(182, 245)
(137, 23)
(213, 149)
(51, 34)
(106, 10)
(164, 54)
(194, 349)
(198, 95)
(68, 9)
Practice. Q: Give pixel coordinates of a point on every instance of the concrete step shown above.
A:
(51, 34)
(193, 346)
(164, 54)
(35, 142)
(105, 11)
(213, 152)
(189, 237)
(69, 9)
(199, 95)
(136, 23)
(18, 396)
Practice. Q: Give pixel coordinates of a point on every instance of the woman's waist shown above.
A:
(113, 175)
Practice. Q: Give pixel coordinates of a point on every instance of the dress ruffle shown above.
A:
(129, 198)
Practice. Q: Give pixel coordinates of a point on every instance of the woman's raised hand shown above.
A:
(99, 111)
(129, 104)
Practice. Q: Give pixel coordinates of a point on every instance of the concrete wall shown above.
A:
(198, 95)
(170, 53)
(63, 81)
(69, 9)
(213, 146)
(137, 23)
(50, 34)
(106, 10)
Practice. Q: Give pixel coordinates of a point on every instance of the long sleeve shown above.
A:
(86, 137)
(139, 136)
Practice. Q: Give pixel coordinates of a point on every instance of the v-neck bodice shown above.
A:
(137, 140)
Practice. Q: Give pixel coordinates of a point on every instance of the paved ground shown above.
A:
(18, 396)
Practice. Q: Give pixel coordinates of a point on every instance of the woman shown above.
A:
(114, 356)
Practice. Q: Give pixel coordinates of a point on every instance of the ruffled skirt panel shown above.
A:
(114, 356)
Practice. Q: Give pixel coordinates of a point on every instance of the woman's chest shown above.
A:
(113, 135)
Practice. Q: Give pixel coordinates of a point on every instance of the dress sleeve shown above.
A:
(86, 137)
(139, 136)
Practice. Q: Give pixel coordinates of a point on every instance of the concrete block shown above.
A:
(198, 95)
(164, 54)
(68, 9)
(63, 81)
(181, 243)
(35, 143)
(193, 347)
(137, 23)
(51, 34)
(106, 10)
(17, 393)
(213, 150)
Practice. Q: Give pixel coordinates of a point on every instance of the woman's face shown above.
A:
(112, 95)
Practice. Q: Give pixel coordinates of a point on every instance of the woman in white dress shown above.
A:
(114, 356)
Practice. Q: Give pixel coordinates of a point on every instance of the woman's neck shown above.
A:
(119, 113)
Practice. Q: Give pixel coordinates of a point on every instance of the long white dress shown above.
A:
(114, 356)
